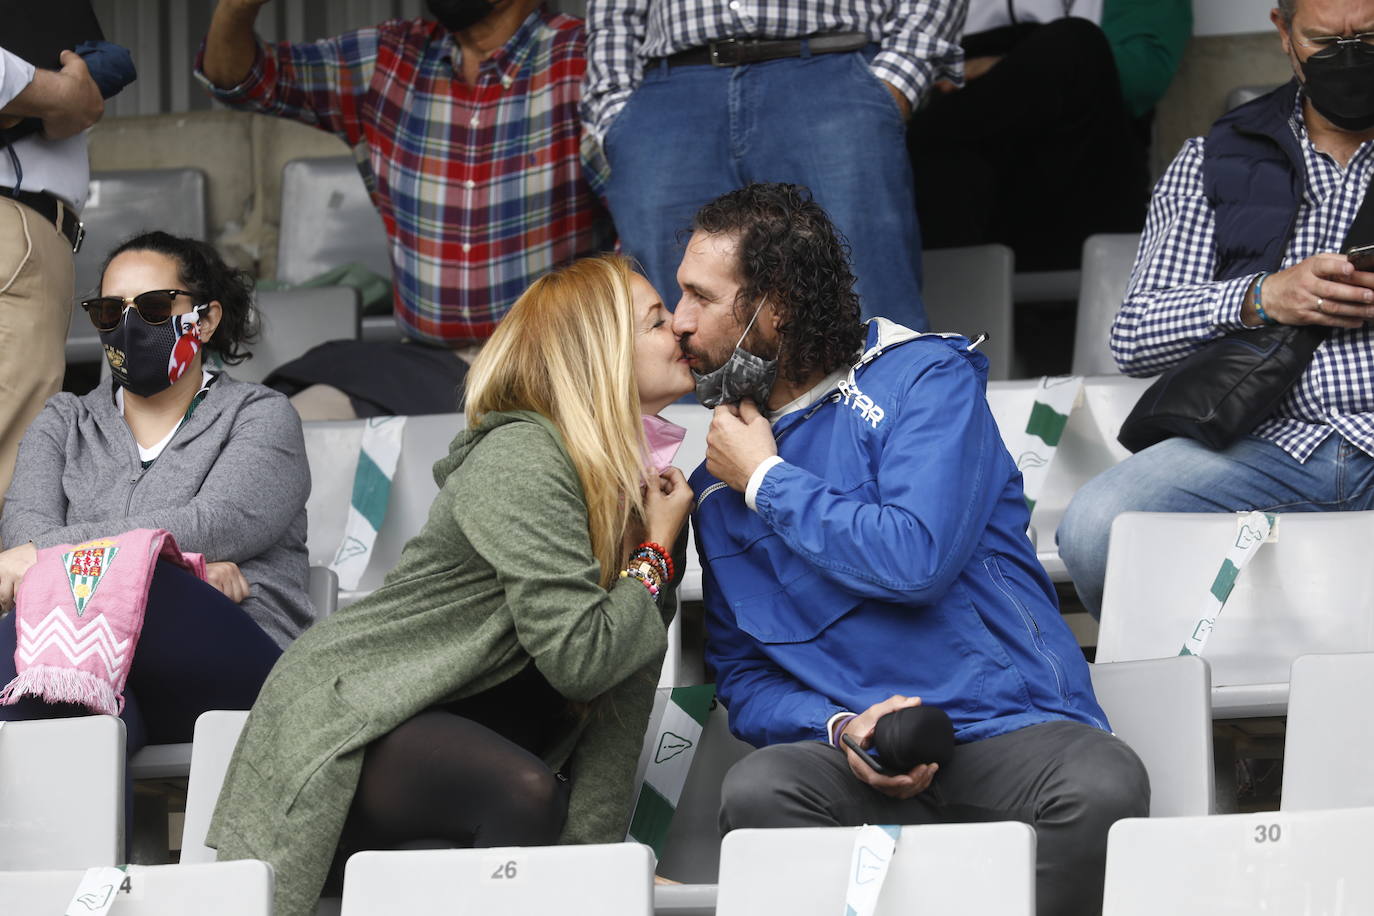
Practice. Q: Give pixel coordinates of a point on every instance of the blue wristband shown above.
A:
(1259, 309)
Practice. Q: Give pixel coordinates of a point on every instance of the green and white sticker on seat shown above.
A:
(1034, 447)
(673, 746)
(378, 454)
(1253, 531)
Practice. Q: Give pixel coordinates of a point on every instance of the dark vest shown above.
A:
(1252, 174)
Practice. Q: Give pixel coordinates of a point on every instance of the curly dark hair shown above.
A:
(790, 253)
(206, 277)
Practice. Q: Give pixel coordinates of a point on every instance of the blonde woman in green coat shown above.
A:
(495, 690)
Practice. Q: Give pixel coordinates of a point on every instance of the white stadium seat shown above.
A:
(1241, 864)
(61, 794)
(1330, 741)
(241, 888)
(949, 869)
(1310, 591)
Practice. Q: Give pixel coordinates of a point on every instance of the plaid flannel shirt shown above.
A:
(1173, 306)
(481, 187)
(918, 39)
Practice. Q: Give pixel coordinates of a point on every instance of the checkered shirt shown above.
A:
(1173, 306)
(918, 39)
(481, 187)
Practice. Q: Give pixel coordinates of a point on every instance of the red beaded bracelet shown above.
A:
(667, 557)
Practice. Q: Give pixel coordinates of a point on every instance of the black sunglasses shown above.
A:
(154, 307)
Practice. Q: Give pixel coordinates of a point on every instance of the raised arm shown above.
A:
(518, 501)
(231, 47)
(321, 83)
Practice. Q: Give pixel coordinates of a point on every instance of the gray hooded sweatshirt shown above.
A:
(231, 484)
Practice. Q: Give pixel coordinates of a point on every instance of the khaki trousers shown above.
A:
(37, 283)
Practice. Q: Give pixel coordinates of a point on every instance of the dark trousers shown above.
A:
(1038, 153)
(198, 651)
(1069, 781)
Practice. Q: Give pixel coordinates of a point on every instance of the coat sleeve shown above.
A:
(603, 763)
(520, 504)
(941, 471)
(242, 508)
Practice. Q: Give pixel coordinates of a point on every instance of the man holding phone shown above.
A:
(1248, 228)
(862, 531)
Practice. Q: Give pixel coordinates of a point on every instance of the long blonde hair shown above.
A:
(566, 350)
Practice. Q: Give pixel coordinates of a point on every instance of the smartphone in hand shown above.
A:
(868, 758)
(1362, 257)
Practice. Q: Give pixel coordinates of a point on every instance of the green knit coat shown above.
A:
(502, 572)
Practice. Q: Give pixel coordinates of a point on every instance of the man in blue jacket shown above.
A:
(863, 541)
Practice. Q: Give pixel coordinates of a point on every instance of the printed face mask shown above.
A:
(147, 358)
(456, 15)
(743, 375)
(1341, 85)
(662, 440)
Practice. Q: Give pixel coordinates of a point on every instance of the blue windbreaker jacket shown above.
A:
(888, 556)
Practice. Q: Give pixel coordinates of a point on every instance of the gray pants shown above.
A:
(1069, 781)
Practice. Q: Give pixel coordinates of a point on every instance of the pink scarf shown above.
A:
(79, 612)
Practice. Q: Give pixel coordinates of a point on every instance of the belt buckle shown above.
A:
(80, 236)
(731, 44)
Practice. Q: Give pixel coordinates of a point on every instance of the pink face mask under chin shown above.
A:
(662, 439)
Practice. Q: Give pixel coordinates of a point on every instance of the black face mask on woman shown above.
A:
(1340, 84)
(147, 358)
(456, 15)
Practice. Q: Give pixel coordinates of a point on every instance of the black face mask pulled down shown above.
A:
(456, 15)
(147, 358)
(1341, 85)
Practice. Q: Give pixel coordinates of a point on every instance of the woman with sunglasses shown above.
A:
(218, 463)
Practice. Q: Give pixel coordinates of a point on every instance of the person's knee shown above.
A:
(757, 790)
(536, 802)
(1103, 784)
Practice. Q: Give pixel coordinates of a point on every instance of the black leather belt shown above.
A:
(52, 209)
(731, 52)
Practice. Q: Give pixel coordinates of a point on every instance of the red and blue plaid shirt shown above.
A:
(482, 187)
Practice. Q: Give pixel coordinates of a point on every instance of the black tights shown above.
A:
(442, 777)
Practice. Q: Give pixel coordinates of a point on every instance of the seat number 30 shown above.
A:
(1268, 833)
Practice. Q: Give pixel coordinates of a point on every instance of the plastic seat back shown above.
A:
(1162, 708)
(950, 869)
(1309, 591)
(61, 794)
(1241, 864)
(607, 880)
(968, 291)
(1330, 741)
(1107, 263)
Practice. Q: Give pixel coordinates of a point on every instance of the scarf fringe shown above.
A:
(63, 685)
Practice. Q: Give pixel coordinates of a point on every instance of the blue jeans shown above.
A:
(689, 134)
(1181, 475)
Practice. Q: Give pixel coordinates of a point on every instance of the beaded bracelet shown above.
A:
(663, 554)
(1259, 309)
(653, 558)
(642, 577)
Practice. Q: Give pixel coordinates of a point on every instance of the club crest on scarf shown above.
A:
(86, 565)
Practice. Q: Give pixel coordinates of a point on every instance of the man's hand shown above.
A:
(860, 728)
(67, 101)
(737, 442)
(228, 579)
(902, 104)
(1323, 289)
(14, 563)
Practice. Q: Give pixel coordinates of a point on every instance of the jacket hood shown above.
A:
(883, 335)
(467, 440)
